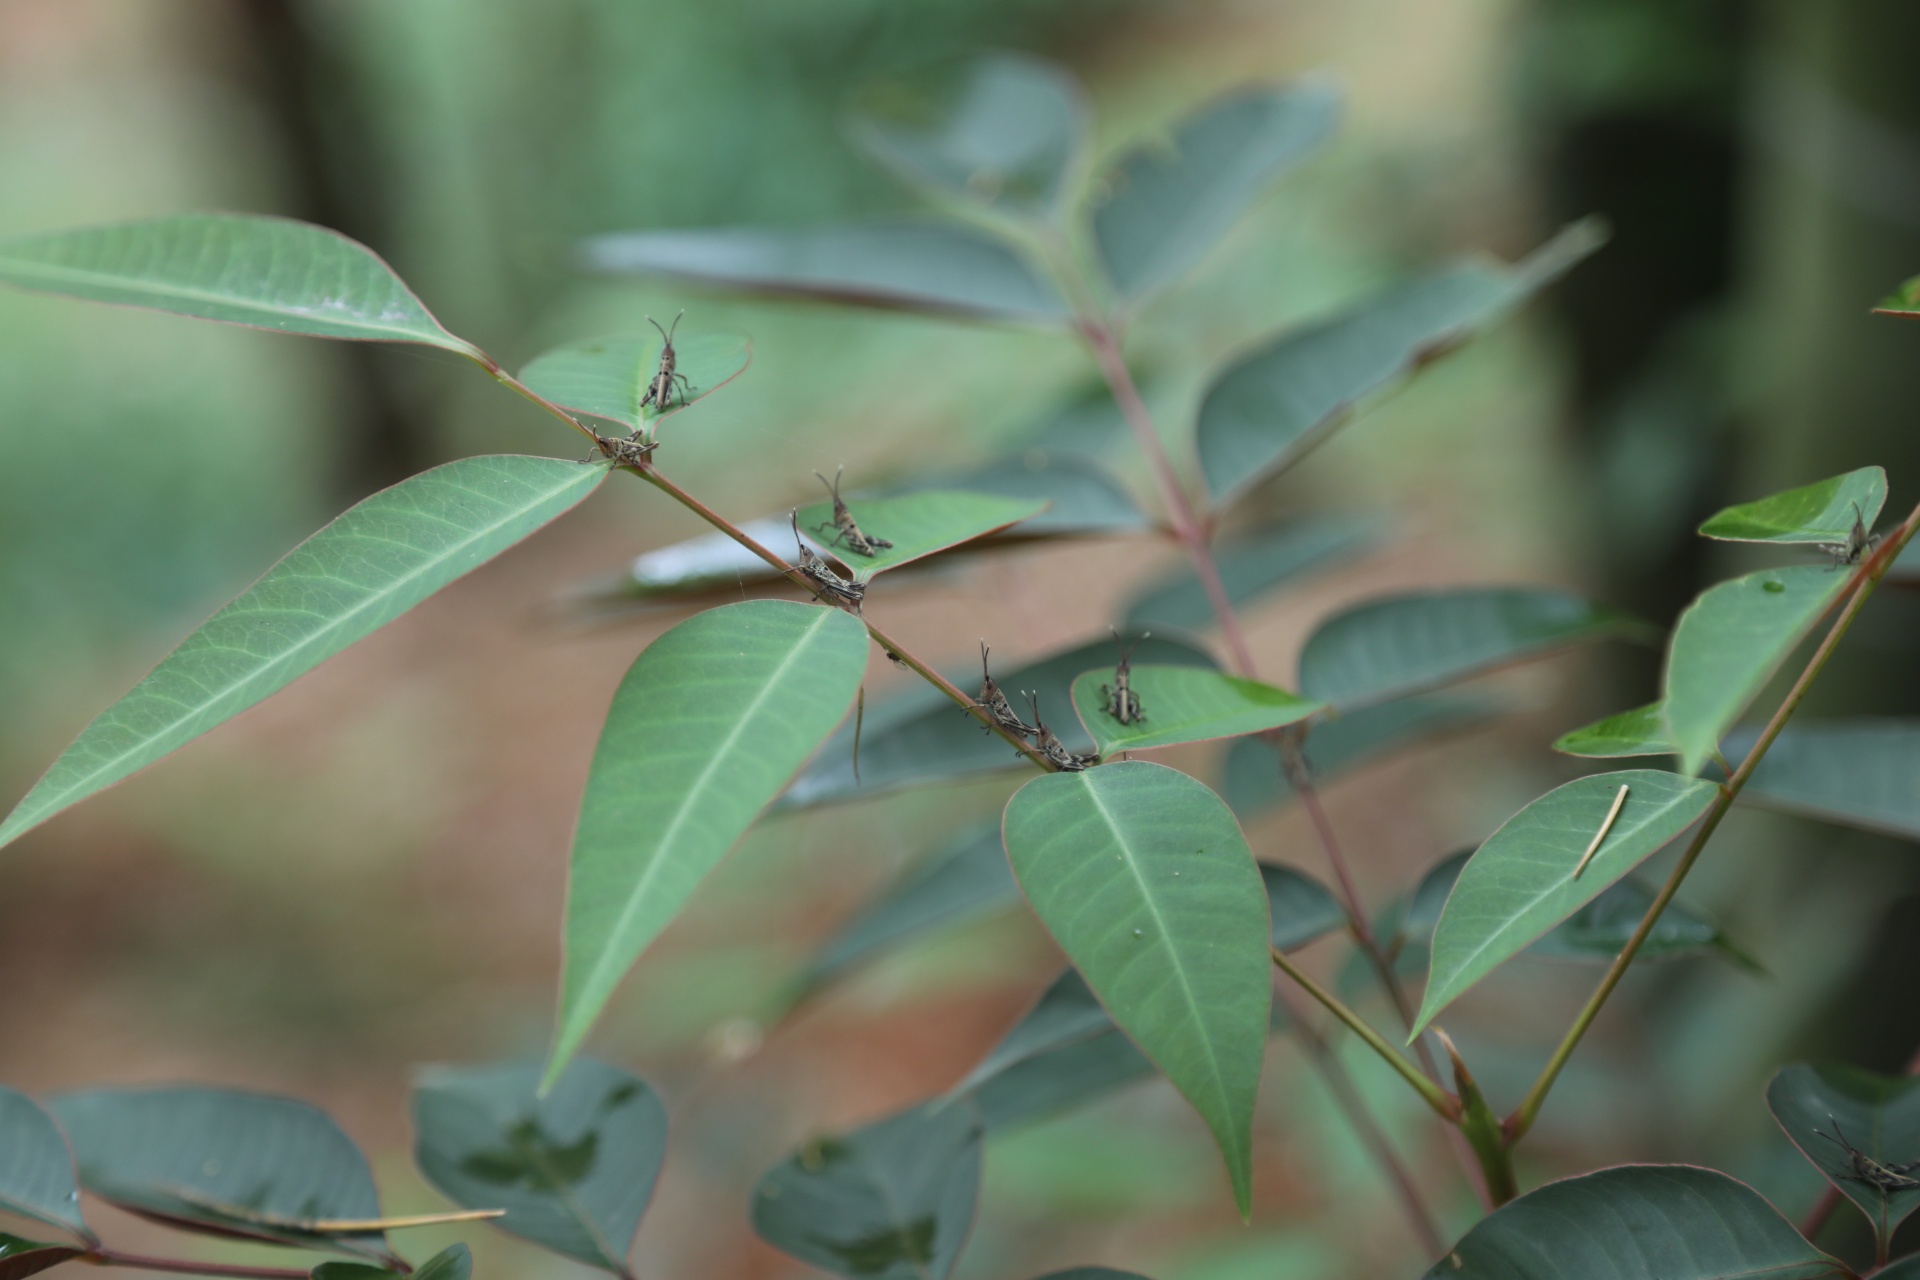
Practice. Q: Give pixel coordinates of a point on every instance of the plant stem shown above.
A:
(1432, 1094)
(104, 1257)
(1865, 578)
(1817, 1216)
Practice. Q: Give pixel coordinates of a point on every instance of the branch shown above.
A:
(1432, 1094)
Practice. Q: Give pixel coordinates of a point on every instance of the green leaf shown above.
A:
(1823, 512)
(1301, 908)
(608, 377)
(1183, 704)
(918, 525)
(1907, 1268)
(1143, 877)
(1389, 647)
(914, 266)
(270, 273)
(372, 564)
(1861, 773)
(1671, 1221)
(1253, 781)
(707, 726)
(1520, 883)
(1066, 1013)
(1728, 644)
(1252, 567)
(573, 1168)
(1640, 732)
(1268, 409)
(1168, 202)
(921, 736)
(22, 1258)
(1003, 130)
(1060, 1080)
(892, 1201)
(225, 1162)
(36, 1169)
(968, 878)
(455, 1262)
(350, 1271)
(1904, 301)
(1879, 1115)
(1084, 496)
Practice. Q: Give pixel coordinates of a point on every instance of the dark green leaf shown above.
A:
(706, 728)
(913, 266)
(573, 1168)
(1092, 1273)
(1819, 1106)
(608, 377)
(1728, 644)
(1863, 773)
(226, 1162)
(1817, 513)
(1907, 1268)
(455, 1262)
(1144, 878)
(1300, 907)
(368, 567)
(1273, 405)
(1387, 648)
(22, 1258)
(1640, 732)
(1004, 130)
(351, 1271)
(892, 1201)
(1253, 566)
(1060, 1080)
(1066, 1013)
(1169, 202)
(1520, 883)
(270, 273)
(1183, 704)
(968, 878)
(918, 525)
(1674, 1222)
(36, 1169)
(920, 736)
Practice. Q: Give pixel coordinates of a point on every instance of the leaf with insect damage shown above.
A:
(371, 565)
(707, 726)
(1183, 704)
(1817, 513)
(1521, 882)
(1270, 407)
(1144, 878)
(267, 273)
(917, 524)
(608, 378)
(928, 266)
(37, 1179)
(1826, 1108)
(1254, 565)
(1862, 772)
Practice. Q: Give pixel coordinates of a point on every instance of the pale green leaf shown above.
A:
(608, 377)
(1183, 704)
(1818, 513)
(1639, 732)
(917, 524)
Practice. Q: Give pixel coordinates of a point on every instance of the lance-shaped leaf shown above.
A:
(36, 1169)
(939, 267)
(270, 273)
(1183, 704)
(1820, 513)
(1639, 732)
(372, 564)
(1633, 1222)
(225, 1162)
(1003, 130)
(1170, 201)
(1826, 1109)
(1144, 878)
(1254, 566)
(968, 878)
(1273, 405)
(574, 1168)
(21, 1258)
(609, 377)
(918, 525)
(1254, 782)
(1391, 647)
(1521, 883)
(892, 1201)
(1861, 773)
(708, 725)
(1728, 644)
(921, 736)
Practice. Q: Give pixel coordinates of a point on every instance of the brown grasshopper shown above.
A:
(1055, 750)
(1123, 704)
(1859, 542)
(1885, 1177)
(827, 585)
(995, 703)
(660, 387)
(623, 451)
(846, 530)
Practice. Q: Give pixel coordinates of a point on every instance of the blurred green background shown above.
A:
(366, 873)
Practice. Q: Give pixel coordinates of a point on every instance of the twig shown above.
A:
(1432, 1094)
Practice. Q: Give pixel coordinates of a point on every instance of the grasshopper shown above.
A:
(846, 530)
(995, 703)
(660, 387)
(1885, 1177)
(1123, 704)
(1055, 750)
(827, 585)
(623, 451)
(1859, 542)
